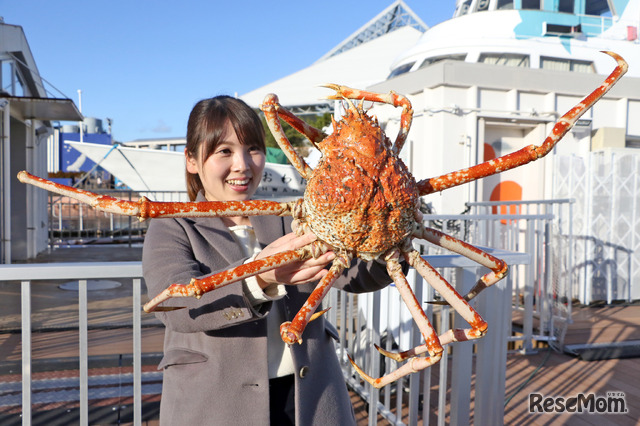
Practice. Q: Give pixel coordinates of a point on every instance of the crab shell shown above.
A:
(361, 198)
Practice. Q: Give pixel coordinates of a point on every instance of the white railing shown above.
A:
(380, 318)
(28, 273)
(70, 219)
(490, 353)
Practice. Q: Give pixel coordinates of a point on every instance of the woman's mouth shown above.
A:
(239, 184)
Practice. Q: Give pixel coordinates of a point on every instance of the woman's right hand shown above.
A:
(296, 273)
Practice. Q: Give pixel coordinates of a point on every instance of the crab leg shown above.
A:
(432, 344)
(462, 307)
(390, 98)
(197, 287)
(145, 209)
(291, 331)
(531, 152)
(314, 135)
(499, 267)
(271, 108)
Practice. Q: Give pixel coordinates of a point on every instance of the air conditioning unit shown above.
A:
(608, 137)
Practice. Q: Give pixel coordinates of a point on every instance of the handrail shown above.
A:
(83, 271)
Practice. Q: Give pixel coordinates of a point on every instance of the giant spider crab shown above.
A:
(360, 201)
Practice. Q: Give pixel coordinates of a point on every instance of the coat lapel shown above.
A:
(268, 228)
(218, 236)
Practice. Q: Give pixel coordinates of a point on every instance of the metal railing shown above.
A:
(363, 320)
(28, 273)
(381, 318)
(543, 228)
(70, 219)
(359, 343)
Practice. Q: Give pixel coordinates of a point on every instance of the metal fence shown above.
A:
(71, 220)
(25, 275)
(543, 228)
(434, 395)
(369, 319)
(606, 222)
(363, 320)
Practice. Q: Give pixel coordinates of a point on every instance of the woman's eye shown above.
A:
(224, 151)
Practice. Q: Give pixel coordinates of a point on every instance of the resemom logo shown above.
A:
(610, 403)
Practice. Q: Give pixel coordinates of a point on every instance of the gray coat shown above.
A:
(215, 351)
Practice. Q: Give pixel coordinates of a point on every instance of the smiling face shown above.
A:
(232, 172)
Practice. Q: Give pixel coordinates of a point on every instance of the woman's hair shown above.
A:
(206, 127)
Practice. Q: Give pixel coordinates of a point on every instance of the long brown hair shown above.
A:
(205, 130)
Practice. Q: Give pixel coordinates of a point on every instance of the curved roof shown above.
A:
(363, 59)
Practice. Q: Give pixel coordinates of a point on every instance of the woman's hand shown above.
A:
(300, 272)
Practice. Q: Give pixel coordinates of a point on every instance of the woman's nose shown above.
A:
(240, 161)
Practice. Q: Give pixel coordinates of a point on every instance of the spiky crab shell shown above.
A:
(361, 198)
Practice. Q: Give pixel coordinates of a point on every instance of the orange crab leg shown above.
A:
(314, 135)
(499, 267)
(391, 98)
(432, 344)
(145, 209)
(197, 287)
(291, 331)
(531, 152)
(462, 307)
(271, 107)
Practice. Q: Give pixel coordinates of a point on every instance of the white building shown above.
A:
(25, 124)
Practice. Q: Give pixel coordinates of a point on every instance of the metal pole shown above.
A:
(84, 351)
(6, 181)
(137, 353)
(25, 296)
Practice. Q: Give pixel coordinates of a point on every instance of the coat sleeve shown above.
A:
(363, 277)
(175, 252)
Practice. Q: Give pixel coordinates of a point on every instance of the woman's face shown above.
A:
(233, 172)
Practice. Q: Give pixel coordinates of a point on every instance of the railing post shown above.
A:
(461, 359)
(491, 360)
(416, 340)
(25, 296)
(83, 327)
(374, 393)
(137, 353)
(528, 290)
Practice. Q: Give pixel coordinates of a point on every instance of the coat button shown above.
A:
(303, 371)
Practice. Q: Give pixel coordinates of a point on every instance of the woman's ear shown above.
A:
(191, 162)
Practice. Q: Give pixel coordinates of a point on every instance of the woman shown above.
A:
(224, 361)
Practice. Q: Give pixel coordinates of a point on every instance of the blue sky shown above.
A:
(145, 63)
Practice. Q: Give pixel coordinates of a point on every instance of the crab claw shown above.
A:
(175, 290)
(290, 336)
(318, 314)
(337, 88)
(374, 382)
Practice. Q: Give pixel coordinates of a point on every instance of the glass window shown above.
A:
(436, 59)
(597, 7)
(463, 8)
(531, 4)
(506, 59)
(402, 69)
(561, 64)
(505, 4)
(565, 6)
(12, 83)
(482, 5)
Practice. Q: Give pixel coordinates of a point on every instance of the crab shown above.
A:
(361, 201)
